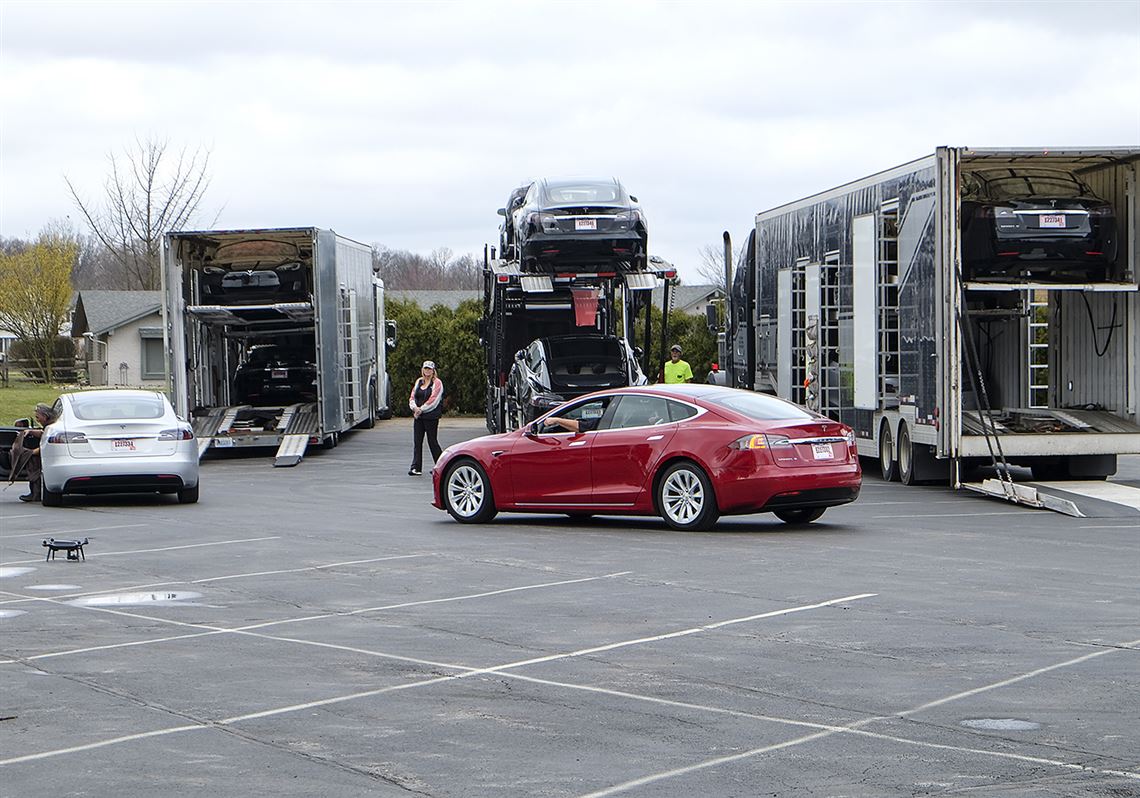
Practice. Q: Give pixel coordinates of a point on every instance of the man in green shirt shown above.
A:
(677, 370)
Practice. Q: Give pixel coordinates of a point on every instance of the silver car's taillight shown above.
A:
(67, 437)
(183, 434)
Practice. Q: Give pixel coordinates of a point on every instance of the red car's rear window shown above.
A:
(761, 407)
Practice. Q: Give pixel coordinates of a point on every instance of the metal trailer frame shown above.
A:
(859, 308)
(344, 315)
(507, 288)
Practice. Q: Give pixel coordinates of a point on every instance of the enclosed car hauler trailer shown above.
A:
(863, 306)
(276, 337)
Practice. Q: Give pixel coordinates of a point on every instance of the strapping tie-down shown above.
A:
(585, 306)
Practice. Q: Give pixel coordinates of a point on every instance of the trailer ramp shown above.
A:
(300, 422)
(206, 426)
(1078, 498)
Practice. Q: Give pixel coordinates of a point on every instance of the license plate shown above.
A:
(125, 444)
(1051, 220)
(822, 451)
(222, 443)
(279, 374)
(585, 224)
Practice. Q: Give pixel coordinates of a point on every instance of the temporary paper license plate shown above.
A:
(822, 451)
(585, 224)
(1051, 220)
(124, 443)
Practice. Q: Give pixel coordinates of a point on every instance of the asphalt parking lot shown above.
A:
(323, 630)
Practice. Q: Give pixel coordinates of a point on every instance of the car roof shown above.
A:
(574, 181)
(114, 393)
(684, 390)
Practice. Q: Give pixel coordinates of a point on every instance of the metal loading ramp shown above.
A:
(206, 426)
(300, 422)
(1078, 498)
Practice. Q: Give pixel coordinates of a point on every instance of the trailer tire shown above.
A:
(373, 409)
(887, 465)
(906, 467)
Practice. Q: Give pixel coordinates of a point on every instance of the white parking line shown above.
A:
(992, 513)
(14, 517)
(212, 630)
(709, 763)
(24, 599)
(809, 724)
(435, 680)
(165, 548)
(86, 531)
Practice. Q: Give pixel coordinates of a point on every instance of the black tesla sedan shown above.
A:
(577, 222)
(1035, 223)
(286, 282)
(553, 370)
(276, 374)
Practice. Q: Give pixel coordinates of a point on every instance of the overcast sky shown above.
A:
(407, 124)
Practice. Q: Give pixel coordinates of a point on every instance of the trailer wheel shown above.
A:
(466, 493)
(887, 464)
(908, 474)
(373, 409)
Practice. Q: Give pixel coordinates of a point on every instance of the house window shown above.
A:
(153, 367)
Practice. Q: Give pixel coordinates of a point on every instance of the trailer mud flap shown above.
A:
(291, 450)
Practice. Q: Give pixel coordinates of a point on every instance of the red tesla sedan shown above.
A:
(689, 453)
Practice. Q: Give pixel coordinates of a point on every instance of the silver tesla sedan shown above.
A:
(118, 441)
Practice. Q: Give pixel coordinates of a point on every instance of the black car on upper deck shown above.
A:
(572, 223)
(1035, 223)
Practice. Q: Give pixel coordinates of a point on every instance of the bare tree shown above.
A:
(147, 193)
(441, 269)
(710, 267)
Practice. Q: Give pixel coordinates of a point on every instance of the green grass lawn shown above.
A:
(19, 398)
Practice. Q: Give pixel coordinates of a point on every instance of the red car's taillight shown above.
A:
(68, 437)
(183, 434)
(761, 441)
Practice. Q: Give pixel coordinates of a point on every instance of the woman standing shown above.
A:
(426, 404)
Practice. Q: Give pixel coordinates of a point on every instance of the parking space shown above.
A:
(324, 630)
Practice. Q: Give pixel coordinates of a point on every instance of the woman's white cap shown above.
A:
(429, 364)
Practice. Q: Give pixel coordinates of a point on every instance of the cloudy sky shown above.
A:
(407, 124)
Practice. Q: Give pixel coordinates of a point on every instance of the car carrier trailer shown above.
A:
(519, 307)
(306, 296)
(855, 302)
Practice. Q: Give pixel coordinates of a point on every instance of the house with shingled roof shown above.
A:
(121, 333)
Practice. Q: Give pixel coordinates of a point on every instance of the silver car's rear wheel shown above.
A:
(467, 493)
(685, 498)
